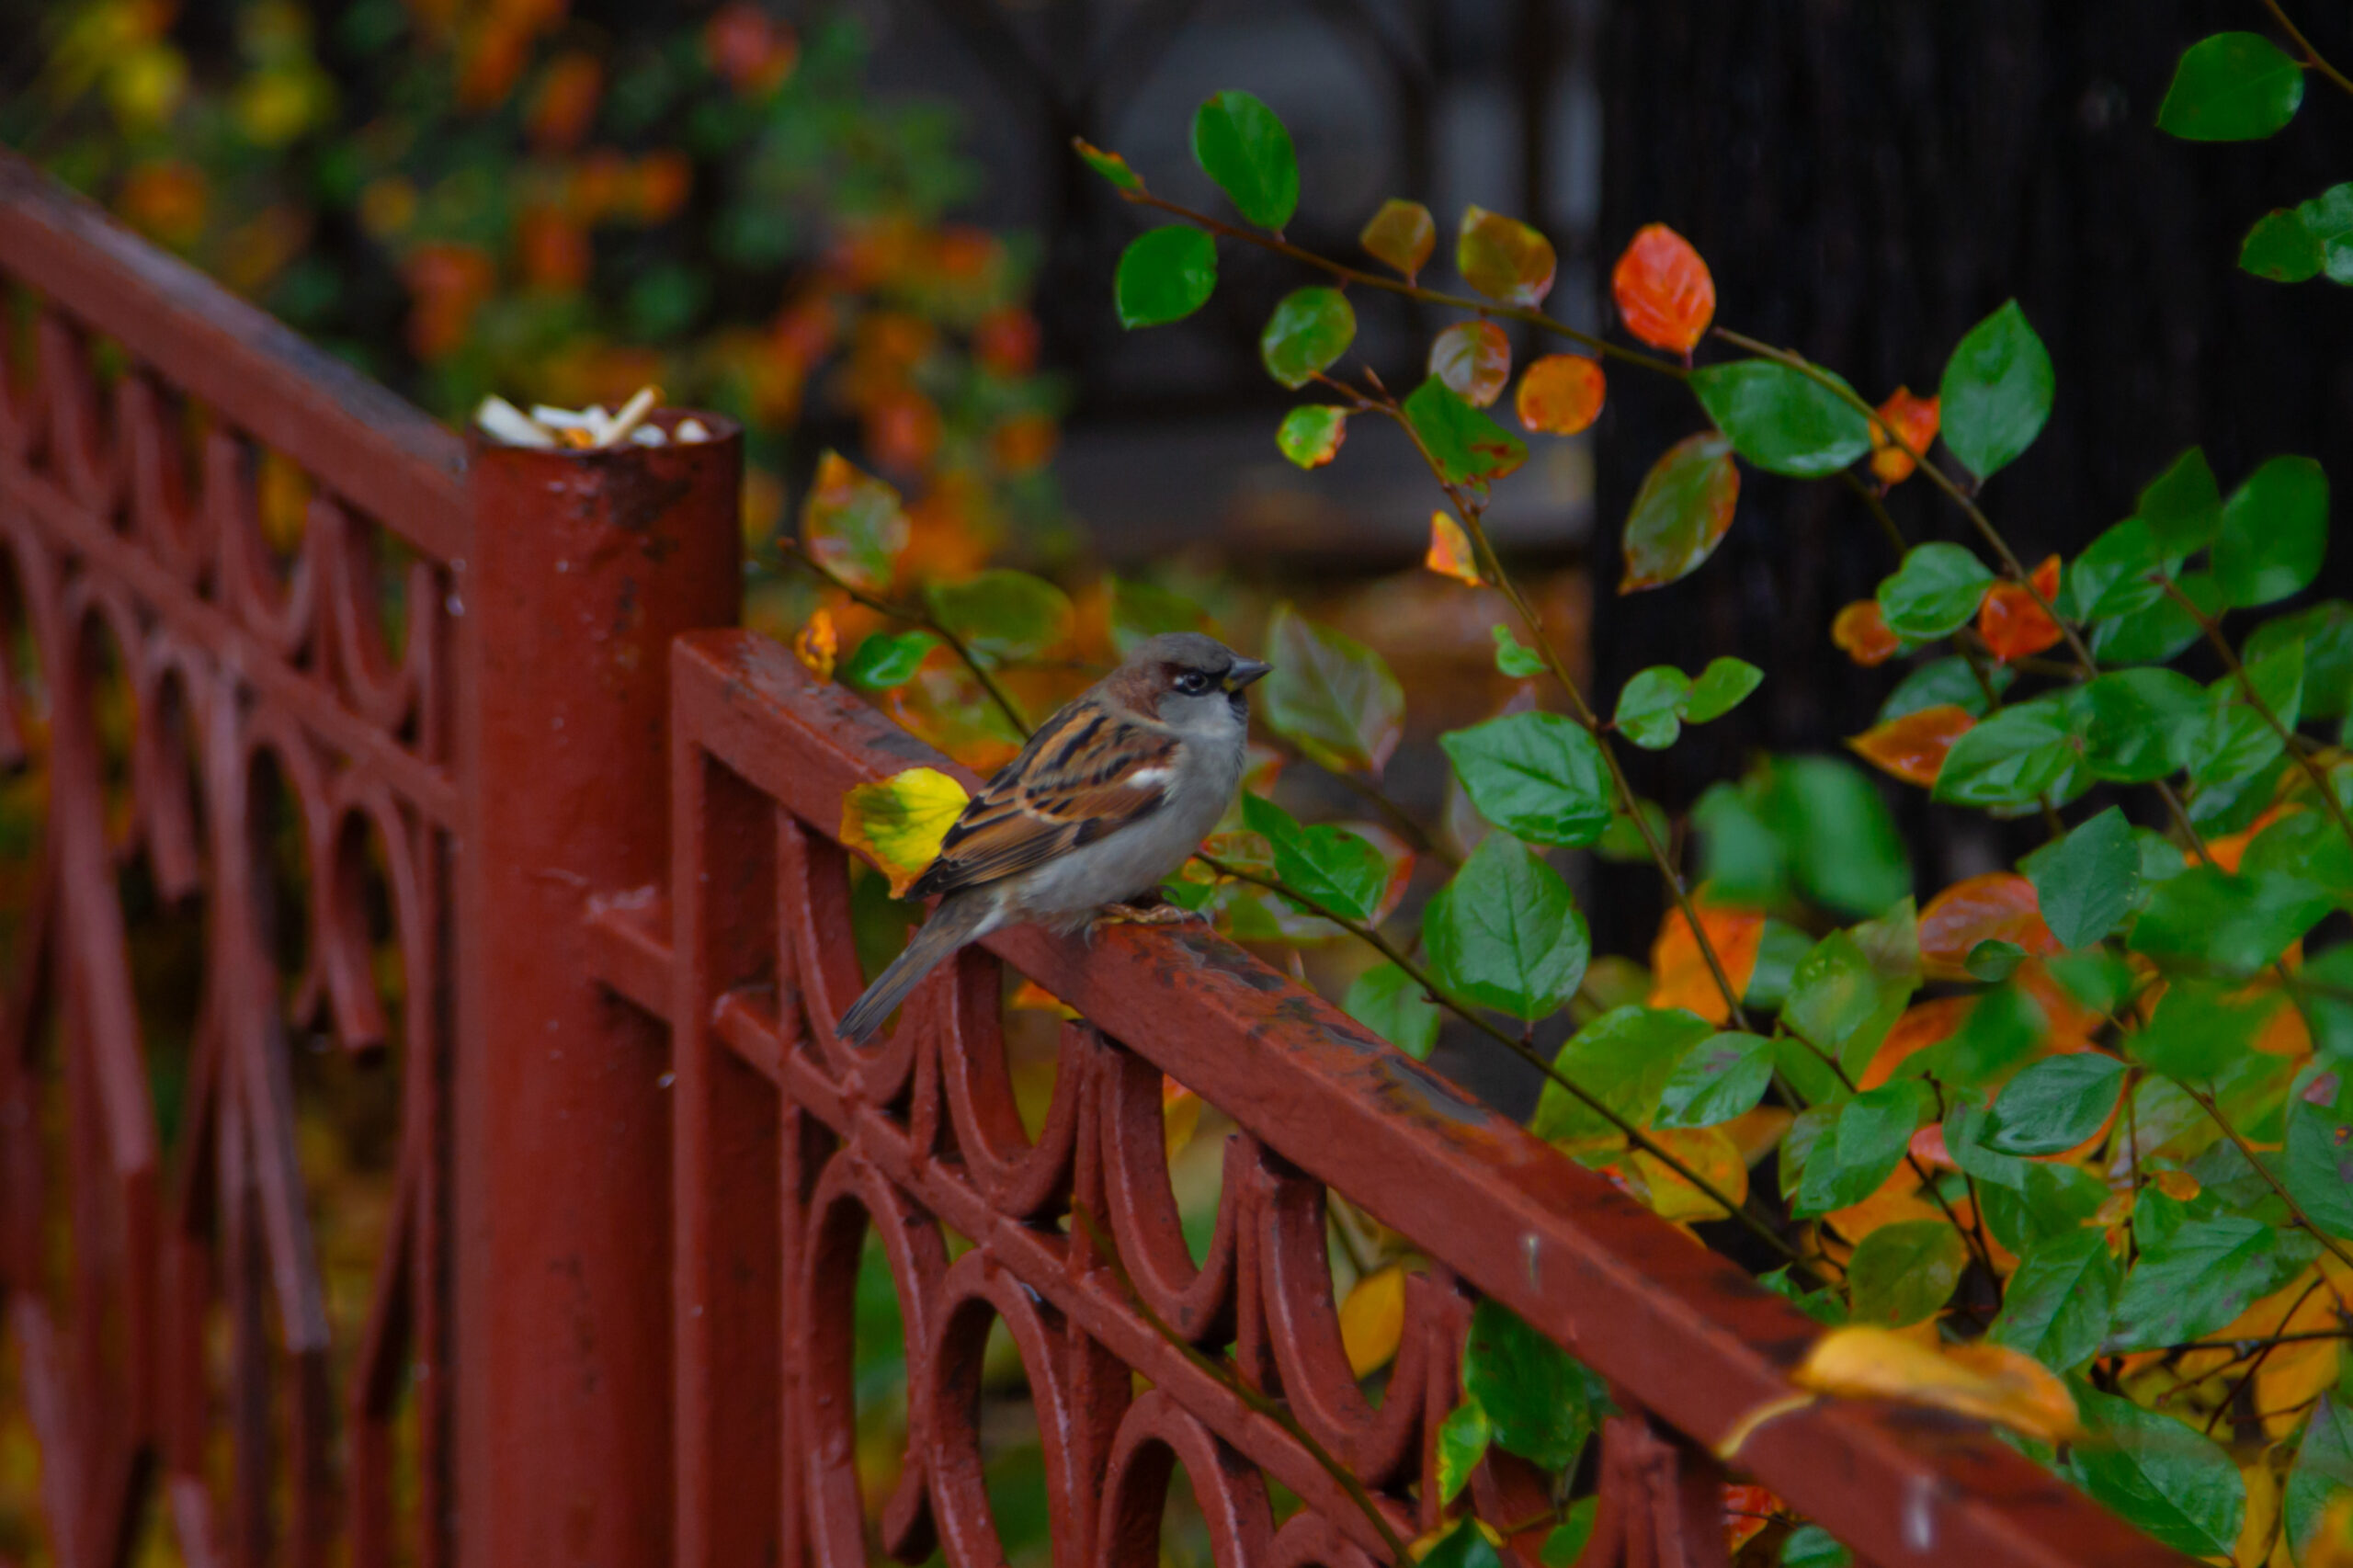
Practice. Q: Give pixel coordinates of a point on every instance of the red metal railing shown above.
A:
(612, 1317)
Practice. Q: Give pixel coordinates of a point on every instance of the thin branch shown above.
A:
(1873, 498)
(2214, 1112)
(2311, 56)
(920, 617)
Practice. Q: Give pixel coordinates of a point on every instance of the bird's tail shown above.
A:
(960, 918)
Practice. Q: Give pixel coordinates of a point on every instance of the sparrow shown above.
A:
(1111, 796)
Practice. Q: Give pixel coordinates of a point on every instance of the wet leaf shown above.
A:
(1463, 1440)
(2122, 571)
(1865, 1141)
(1392, 1005)
(1401, 235)
(1310, 329)
(1331, 865)
(851, 524)
(2056, 1307)
(1241, 143)
(1934, 593)
(1311, 436)
(1467, 446)
(2012, 623)
(1865, 1362)
(1781, 419)
(1474, 359)
(1623, 1059)
(1538, 1398)
(2234, 86)
(1860, 632)
(1504, 258)
(2010, 759)
(1995, 906)
(1372, 1320)
(2089, 881)
(2198, 1279)
(2162, 1474)
(1663, 289)
(1506, 933)
(1996, 391)
(1902, 1272)
(2275, 532)
(1724, 1076)
(1005, 616)
(1164, 275)
(1681, 512)
(1449, 554)
(2142, 724)
(2055, 1104)
(1538, 777)
(886, 659)
(1561, 394)
(1913, 747)
(1110, 166)
(1650, 708)
(1331, 695)
(1912, 421)
(2182, 506)
(898, 822)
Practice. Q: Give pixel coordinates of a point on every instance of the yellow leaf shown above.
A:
(1372, 1320)
(898, 823)
(1421, 1546)
(1449, 554)
(817, 644)
(1709, 1151)
(1030, 997)
(2331, 1545)
(1989, 1381)
(2261, 1524)
(1180, 1112)
(1757, 1133)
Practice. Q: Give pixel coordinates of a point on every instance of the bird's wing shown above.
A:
(1090, 770)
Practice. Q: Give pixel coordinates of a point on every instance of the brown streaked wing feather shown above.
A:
(1067, 788)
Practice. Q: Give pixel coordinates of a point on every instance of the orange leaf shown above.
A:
(1913, 747)
(1664, 291)
(1914, 422)
(1861, 631)
(1180, 1111)
(1999, 906)
(1681, 976)
(1372, 1320)
(1504, 258)
(1402, 234)
(2012, 623)
(1474, 359)
(1561, 394)
(1991, 1382)
(1709, 1151)
(1449, 554)
(818, 645)
(1924, 1023)
(1747, 1509)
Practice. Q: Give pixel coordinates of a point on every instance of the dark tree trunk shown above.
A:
(1868, 178)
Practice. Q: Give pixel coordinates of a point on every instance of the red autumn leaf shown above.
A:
(1474, 359)
(1913, 747)
(1664, 291)
(1924, 1023)
(1561, 394)
(1999, 906)
(1449, 554)
(1913, 420)
(2012, 623)
(1861, 631)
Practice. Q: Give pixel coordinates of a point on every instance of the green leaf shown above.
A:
(2200, 1278)
(2010, 759)
(2200, 1027)
(2275, 530)
(1942, 682)
(1514, 657)
(1463, 1547)
(2318, 1169)
(2141, 726)
(1723, 686)
(1003, 615)
(1781, 419)
(2000, 1030)
(2308, 846)
(2232, 87)
(1934, 593)
(1539, 776)
(2161, 1474)
(1723, 1076)
(1331, 695)
(1164, 275)
(2327, 631)
(2182, 506)
(1993, 960)
(1809, 822)
(2057, 1103)
(1110, 166)
(1310, 329)
(1463, 1440)
(2155, 635)
(2118, 573)
(1468, 446)
(2281, 249)
(1825, 1306)
(1328, 864)
(852, 523)
(1837, 995)
(2328, 218)
(1902, 1272)
(1240, 143)
(885, 659)
(1311, 435)
(1566, 1543)
(2238, 924)
(1504, 258)
(1142, 609)
(1680, 513)
(1862, 1148)
(1505, 934)
(2056, 1307)
(1996, 392)
(1538, 1398)
(2323, 1473)
(2090, 881)
(1392, 1005)
(1810, 1546)
(1625, 1059)
(1650, 708)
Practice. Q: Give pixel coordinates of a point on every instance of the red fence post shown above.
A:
(584, 566)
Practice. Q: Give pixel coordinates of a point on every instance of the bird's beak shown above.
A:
(1243, 672)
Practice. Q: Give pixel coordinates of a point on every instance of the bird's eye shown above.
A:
(1192, 683)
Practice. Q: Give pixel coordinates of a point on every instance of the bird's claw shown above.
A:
(1157, 911)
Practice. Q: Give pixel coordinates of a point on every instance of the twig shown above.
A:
(2312, 56)
(2206, 1103)
(919, 617)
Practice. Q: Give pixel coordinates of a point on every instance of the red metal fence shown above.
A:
(610, 1313)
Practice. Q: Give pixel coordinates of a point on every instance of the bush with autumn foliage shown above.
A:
(2066, 1146)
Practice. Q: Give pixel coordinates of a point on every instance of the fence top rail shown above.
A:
(1680, 1329)
(366, 444)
